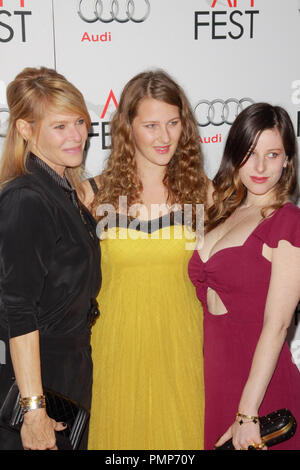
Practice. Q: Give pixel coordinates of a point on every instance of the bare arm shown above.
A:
(85, 193)
(282, 299)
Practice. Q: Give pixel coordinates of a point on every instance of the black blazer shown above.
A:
(49, 277)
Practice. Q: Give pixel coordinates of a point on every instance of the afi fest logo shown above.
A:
(7, 32)
(21, 3)
(229, 23)
(104, 124)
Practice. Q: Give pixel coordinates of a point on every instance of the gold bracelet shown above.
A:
(252, 419)
(32, 403)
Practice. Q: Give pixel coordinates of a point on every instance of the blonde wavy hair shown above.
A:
(242, 139)
(30, 96)
(184, 178)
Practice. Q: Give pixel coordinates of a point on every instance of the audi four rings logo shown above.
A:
(114, 11)
(218, 112)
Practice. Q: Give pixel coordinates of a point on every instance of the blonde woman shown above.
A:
(50, 264)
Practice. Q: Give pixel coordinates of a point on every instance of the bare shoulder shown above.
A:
(88, 188)
(98, 180)
(85, 192)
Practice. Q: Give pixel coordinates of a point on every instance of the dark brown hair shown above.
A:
(242, 139)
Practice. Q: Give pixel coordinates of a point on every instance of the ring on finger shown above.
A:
(260, 446)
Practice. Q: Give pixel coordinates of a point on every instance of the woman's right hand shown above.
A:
(38, 430)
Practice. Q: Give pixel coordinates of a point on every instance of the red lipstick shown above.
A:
(259, 179)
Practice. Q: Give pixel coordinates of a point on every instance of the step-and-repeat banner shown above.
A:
(226, 54)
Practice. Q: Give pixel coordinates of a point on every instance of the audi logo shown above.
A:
(218, 112)
(114, 11)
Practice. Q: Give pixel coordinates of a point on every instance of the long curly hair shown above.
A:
(29, 96)
(242, 139)
(184, 179)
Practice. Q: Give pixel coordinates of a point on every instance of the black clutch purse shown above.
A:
(58, 407)
(275, 427)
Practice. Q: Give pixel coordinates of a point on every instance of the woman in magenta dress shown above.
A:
(247, 276)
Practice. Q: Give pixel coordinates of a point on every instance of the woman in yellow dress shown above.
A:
(148, 390)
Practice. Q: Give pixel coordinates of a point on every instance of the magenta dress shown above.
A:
(241, 276)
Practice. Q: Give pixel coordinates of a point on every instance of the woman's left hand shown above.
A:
(243, 436)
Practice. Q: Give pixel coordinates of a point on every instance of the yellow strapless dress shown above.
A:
(148, 390)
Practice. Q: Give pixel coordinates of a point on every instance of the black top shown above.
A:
(49, 273)
(50, 263)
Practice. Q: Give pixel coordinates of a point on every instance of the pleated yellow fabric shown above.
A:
(148, 390)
